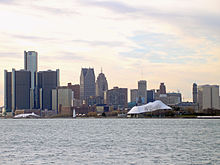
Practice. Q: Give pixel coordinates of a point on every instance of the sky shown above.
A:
(174, 41)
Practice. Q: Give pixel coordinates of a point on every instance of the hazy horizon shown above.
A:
(175, 42)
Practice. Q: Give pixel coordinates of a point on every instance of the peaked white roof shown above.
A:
(26, 115)
(150, 107)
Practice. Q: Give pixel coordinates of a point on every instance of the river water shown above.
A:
(109, 141)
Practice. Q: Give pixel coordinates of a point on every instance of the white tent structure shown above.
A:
(27, 115)
(150, 107)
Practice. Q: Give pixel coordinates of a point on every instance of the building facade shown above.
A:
(17, 90)
(142, 91)
(133, 95)
(76, 89)
(62, 97)
(7, 91)
(195, 93)
(162, 88)
(87, 83)
(117, 97)
(31, 64)
(46, 82)
(208, 97)
(174, 98)
(101, 85)
(150, 96)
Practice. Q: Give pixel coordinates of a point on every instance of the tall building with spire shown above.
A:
(101, 85)
(87, 83)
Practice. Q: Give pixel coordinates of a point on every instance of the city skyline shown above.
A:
(177, 44)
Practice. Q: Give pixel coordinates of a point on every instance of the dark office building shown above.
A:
(150, 96)
(195, 93)
(76, 89)
(162, 88)
(17, 90)
(87, 83)
(46, 81)
(7, 91)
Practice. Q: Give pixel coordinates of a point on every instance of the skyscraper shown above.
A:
(31, 64)
(101, 85)
(142, 91)
(87, 83)
(134, 95)
(162, 88)
(46, 81)
(17, 90)
(195, 93)
(150, 95)
(7, 91)
(208, 96)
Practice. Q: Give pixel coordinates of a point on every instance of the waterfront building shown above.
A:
(133, 95)
(169, 98)
(7, 91)
(162, 88)
(208, 97)
(117, 97)
(174, 98)
(87, 83)
(76, 90)
(46, 81)
(195, 93)
(17, 90)
(142, 91)
(101, 85)
(31, 64)
(61, 97)
(150, 95)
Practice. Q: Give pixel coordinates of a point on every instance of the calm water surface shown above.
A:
(109, 141)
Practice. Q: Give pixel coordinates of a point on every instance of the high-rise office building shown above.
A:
(7, 91)
(46, 81)
(117, 97)
(31, 64)
(87, 83)
(61, 97)
(162, 88)
(142, 91)
(208, 96)
(133, 95)
(76, 90)
(101, 85)
(150, 95)
(17, 90)
(195, 93)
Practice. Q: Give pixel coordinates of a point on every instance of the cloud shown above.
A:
(161, 48)
(101, 43)
(185, 18)
(55, 11)
(65, 56)
(29, 37)
(112, 5)
(10, 55)
(7, 1)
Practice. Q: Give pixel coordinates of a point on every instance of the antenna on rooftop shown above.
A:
(101, 69)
